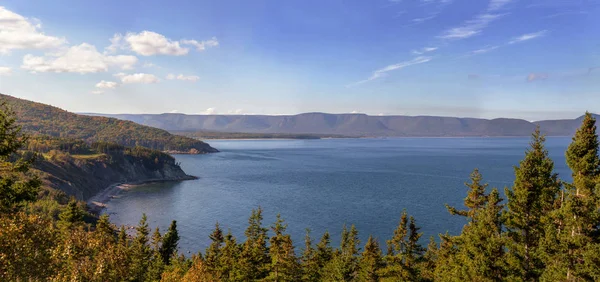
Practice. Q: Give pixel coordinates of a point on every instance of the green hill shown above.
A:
(40, 119)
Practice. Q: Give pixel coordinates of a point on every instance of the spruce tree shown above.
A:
(430, 258)
(169, 243)
(17, 184)
(284, 266)
(309, 260)
(574, 241)
(254, 259)
(344, 264)
(228, 265)
(530, 200)
(71, 215)
(324, 252)
(140, 251)
(371, 261)
(476, 197)
(156, 265)
(404, 254)
(479, 252)
(213, 252)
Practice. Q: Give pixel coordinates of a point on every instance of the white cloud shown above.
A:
(5, 71)
(471, 27)
(424, 50)
(18, 32)
(137, 78)
(149, 65)
(97, 92)
(174, 111)
(484, 50)
(182, 77)
(209, 111)
(382, 72)
(106, 84)
(149, 43)
(201, 46)
(497, 4)
(528, 36)
(82, 59)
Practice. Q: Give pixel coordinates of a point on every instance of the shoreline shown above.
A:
(99, 202)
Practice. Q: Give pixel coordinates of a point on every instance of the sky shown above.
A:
(529, 59)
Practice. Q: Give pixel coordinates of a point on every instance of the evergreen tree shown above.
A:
(371, 261)
(254, 259)
(344, 263)
(71, 215)
(213, 252)
(284, 266)
(324, 253)
(229, 267)
(573, 238)
(140, 251)
(309, 260)
(480, 245)
(17, 184)
(104, 230)
(156, 265)
(429, 260)
(530, 200)
(446, 266)
(405, 254)
(476, 197)
(169, 243)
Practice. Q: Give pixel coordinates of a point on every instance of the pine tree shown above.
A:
(254, 259)
(284, 266)
(573, 239)
(213, 252)
(530, 200)
(169, 243)
(17, 184)
(371, 261)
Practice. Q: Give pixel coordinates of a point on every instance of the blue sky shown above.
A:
(531, 59)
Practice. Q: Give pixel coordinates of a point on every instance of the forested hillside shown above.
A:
(40, 119)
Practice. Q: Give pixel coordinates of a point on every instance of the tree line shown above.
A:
(545, 229)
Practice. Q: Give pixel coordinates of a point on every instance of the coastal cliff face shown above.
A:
(85, 177)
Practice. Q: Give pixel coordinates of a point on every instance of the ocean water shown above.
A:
(324, 184)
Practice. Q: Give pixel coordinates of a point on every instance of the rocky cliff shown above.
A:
(85, 177)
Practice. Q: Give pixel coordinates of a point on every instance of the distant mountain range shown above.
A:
(352, 124)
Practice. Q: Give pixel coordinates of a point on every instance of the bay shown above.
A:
(324, 184)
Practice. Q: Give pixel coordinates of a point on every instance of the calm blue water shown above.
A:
(322, 184)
